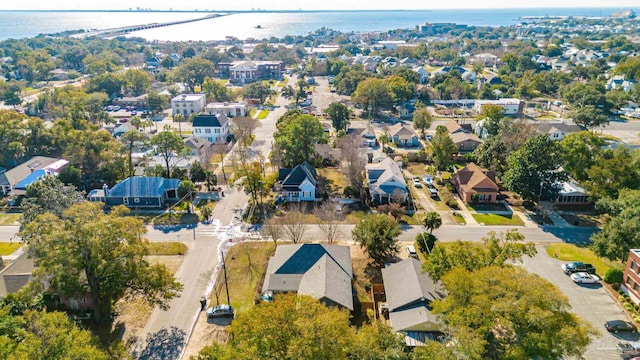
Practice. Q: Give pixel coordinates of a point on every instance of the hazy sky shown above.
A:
(305, 5)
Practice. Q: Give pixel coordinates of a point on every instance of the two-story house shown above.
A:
(230, 109)
(214, 128)
(187, 104)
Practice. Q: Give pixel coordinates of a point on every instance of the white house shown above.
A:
(298, 184)
(423, 74)
(510, 106)
(618, 82)
(187, 104)
(214, 128)
(386, 183)
(230, 109)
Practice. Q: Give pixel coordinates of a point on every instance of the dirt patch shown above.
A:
(583, 220)
(134, 313)
(205, 333)
(364, 274)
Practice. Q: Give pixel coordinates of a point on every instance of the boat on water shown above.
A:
(258, 26)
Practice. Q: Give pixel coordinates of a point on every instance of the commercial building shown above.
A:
(187, 104)
(631, 278)
(510, 106)
(229, 109)
(245, 72)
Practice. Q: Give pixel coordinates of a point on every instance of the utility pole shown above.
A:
(226, 284)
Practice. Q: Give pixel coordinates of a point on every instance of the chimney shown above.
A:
(105, 188)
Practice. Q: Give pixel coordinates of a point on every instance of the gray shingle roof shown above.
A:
(292, 178)
(319, 270)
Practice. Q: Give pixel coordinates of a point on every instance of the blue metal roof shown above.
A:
(33, 177)
(143, 186)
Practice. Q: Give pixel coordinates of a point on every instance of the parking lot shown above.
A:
(591, 302)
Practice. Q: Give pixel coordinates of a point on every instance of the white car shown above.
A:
(584, 278)
(417, 183)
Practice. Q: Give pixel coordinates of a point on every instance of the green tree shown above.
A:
(193, 72)
(580, 151)
(507, 313)
(615, 170)
(197, 173)
(103, 254)
(431, 221)
(422, 119)
(215, 90)
(187, 190)
(297, 137)
(168, 145)
(400, 89)
(499, 249)
(49, 195)
(290, 327)
(384, 139)
(442, 148)
(491, 114)
(45, 335)
(534, 170)
(621, 231)
(12, 95)
(373, 94)
(590, 117)
(130, 140)
(252, 180)
(492, 154)
(339, 115)
(137, 81)
(157, 102)
(258, 90)
(377, 341)
(378, 235)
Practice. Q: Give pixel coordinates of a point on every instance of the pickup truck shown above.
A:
(628, 350)
(577, 266)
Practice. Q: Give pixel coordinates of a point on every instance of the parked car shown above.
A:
(584, 278)
(412, 251)
(222, 310)
(628, 350)
(578, 266)
(416, 182)
(615, 326)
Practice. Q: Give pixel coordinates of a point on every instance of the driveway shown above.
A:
(591, 302)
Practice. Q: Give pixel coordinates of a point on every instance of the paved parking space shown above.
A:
(591, 302)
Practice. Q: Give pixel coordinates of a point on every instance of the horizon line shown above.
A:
(315, 10)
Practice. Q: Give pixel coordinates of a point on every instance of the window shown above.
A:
(635, 286)
(489, 197)
(136, 200)
(633, 265)
(217, 131)
(306, 194)
(628, 282)
(208, 131)
(197, 131)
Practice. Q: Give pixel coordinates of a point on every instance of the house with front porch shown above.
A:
(386, 182)
(214, 128)
(138, 192)
(297, 184)
(403, 135)
(473, 183)
(465, 142)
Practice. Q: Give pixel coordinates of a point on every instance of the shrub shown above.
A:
(452, 203)
(350, 192)
(620, 291)
(423, 240)
(629, 307)
(613, 276)
(474, 198)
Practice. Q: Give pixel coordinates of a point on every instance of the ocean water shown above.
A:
(21, 24)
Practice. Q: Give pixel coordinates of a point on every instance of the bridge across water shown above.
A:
(112, 32)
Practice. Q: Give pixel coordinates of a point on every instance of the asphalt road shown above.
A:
(590, 302)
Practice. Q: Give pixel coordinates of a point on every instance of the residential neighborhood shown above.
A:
(444, 190)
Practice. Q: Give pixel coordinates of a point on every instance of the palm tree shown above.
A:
(384, 139)
(432, 220)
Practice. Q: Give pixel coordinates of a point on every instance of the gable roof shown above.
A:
(217, 120)
(291, 179)
(22, 171)
(462, 136)
(409, 293)
(16, 275)
(401, 130)
(143, 186)
(197, 143)
(453, 127)
(549, 128)
(319, 270)
(385, 177)
(473, 178)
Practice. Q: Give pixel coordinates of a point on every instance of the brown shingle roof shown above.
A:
(472, 178)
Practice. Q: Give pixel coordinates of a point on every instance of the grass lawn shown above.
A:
(417, 169)
(459, 219)
(570, 252)
(355, 217)
(445, 175)
(167, 248)
(246, 264)
(263, 114)
(486, 207)
(9, 219)
(8, 248)
(494, 219)
(252, 112)
(334, 177)
(412, 220)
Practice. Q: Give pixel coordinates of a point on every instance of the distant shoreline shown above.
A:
(312, 11)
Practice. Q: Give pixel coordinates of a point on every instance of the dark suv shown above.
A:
(577, 266)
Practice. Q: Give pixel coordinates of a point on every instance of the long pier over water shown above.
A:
(112, 32)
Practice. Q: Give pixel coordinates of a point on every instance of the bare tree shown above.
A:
(294, 225)
(353, 160)
(514, 133)
(243, 128)
(274, 229)
(220, 151)
(329, 221)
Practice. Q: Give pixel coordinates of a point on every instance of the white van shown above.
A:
(412, 251)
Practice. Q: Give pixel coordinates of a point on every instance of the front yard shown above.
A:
(8, 248)
(10, 219)
(334, 180)
(495, 219)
